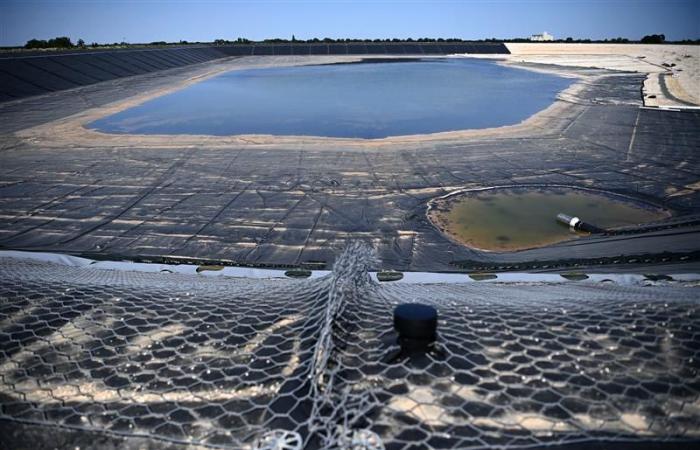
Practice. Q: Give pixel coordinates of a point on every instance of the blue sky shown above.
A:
(148, 20)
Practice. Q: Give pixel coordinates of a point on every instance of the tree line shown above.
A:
(58, 42)
(64, 42)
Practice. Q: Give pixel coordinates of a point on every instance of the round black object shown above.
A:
(416, 321)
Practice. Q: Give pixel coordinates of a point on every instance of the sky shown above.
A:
(138, 21)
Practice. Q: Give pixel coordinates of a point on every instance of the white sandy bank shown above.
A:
(682, 78)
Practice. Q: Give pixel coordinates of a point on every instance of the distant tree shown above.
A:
(220, 41)
(654, 39)
(60, 42)
(94, 45)
(81, 43)
(619, 40)
(569, 39)
(294, 38)
(36, 43)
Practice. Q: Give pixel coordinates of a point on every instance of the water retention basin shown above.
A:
(368, 100)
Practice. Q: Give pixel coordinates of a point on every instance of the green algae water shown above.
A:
(369, 100)
(516, 219)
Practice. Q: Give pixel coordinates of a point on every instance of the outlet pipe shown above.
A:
(576, 224)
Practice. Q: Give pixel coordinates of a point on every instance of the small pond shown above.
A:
(367, 100)
(509, 219)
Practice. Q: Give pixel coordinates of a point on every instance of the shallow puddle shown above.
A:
(517, 219)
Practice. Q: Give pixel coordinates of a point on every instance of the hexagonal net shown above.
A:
(240, 363)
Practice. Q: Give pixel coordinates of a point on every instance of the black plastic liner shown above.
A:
(38, 73)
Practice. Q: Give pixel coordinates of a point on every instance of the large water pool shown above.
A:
(368, 100)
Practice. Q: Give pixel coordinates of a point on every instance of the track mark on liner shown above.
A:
(634, 134)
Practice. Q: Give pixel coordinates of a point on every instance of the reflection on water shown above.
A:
(516, 219)
(348, 100)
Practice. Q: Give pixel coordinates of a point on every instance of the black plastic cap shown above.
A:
(587, 227)
(416, 322)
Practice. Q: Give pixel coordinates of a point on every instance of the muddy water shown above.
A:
(507, 220)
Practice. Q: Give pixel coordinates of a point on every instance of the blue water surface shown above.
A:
(369, 100)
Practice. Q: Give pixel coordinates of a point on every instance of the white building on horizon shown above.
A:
(542, 37)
